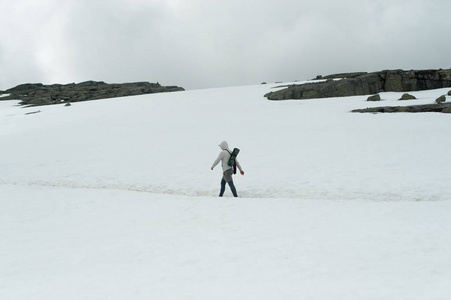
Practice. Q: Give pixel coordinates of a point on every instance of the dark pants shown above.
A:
(232, 188)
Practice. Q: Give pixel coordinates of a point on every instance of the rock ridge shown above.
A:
(40, 94)
(439, 107)
(360, 83)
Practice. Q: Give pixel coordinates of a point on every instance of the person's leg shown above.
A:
(223, 183)
(233, 189)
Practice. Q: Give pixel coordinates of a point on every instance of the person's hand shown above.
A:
(242, 172)
(212, 169)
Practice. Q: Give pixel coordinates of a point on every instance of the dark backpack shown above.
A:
(232, 159)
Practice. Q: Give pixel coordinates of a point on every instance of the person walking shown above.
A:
(223, 157)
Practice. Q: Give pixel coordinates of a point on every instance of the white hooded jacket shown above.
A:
(224, 156)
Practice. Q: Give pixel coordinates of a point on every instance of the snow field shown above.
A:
(115, 199)
(78, 243)
(165, 143)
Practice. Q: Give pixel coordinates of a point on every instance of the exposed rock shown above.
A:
(40, 101)
(442, 107)
(340, 75)
(33, 112)
(355, 84)
(407, 97)
(440, 99)
(449, 93)
(376, 97)
(39, 94)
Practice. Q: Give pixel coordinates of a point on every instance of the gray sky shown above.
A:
(213, 43)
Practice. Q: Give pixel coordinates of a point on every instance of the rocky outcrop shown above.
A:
(340, 75)
(354, 84)
(407, 97)
(39, 94)
(441, 99)
(376, 97)
(442, 107)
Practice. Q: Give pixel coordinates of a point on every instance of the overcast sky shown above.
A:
(213, 43)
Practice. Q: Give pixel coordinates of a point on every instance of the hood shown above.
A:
(224, 145)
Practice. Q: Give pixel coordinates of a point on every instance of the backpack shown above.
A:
(232, 159)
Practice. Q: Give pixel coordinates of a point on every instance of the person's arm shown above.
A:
(239, 167)
(217, 160)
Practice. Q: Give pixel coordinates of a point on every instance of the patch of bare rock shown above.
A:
(357, 84)
(33, 94)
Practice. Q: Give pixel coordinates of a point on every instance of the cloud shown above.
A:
(206, 43)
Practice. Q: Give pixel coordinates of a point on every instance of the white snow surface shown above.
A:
(115, 199)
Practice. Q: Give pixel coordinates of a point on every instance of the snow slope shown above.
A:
(115, 199)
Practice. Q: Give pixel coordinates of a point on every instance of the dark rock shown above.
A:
(39, 101)
(440, 99)
(355, 84)
(407, 97)
(376, 97)
(449, 93)
(39, 94)
(33, 112)
(447, 110)
(340, 75)
(442, 107)
(25, 88)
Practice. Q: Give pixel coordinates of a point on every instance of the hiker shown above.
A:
(224, 156)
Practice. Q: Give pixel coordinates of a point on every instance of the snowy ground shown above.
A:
(115, 199)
